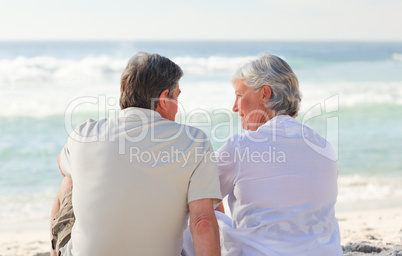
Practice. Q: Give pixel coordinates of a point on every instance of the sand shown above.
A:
(368, 232)
(25, 243)
(377, 231)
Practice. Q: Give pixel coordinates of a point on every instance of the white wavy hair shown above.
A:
(271, 70)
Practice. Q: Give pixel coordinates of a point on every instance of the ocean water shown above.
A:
(352, 95)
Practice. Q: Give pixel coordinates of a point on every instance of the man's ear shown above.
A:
(163, 98)
(266, 92)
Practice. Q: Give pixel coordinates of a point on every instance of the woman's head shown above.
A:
(272, 80)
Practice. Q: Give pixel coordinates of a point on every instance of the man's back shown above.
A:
(132, 181)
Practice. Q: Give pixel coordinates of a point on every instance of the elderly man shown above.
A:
(130, 192)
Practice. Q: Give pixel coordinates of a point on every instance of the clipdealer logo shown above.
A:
(106, 109)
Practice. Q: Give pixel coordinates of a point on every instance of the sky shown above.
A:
(288, 20)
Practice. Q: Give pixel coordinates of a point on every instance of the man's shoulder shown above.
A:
(195, 131)
(90, 129)
(184, 131)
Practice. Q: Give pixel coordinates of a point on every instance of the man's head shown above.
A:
(149, 81)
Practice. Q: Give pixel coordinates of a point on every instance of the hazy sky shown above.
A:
(379, 20)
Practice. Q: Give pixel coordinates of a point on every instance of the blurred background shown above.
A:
(61, 61)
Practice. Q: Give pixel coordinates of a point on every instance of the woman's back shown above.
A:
(282, 191)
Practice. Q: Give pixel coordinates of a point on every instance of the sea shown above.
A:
(352, 96)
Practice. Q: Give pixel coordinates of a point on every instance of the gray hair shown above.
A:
(273, 71)
(145, 77)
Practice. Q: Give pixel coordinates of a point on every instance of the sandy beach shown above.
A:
(24, 243)
(375, 231)
(363, 232)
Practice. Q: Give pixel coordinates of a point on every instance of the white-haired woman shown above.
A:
(281, 190)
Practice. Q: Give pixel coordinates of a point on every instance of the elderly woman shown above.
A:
(281, 192)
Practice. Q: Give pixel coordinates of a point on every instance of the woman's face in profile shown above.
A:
(250, 106)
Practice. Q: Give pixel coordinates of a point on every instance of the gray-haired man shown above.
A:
(132, 190)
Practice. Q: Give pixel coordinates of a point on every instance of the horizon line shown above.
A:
(208, 40)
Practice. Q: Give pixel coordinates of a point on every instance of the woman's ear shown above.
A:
(266, 92)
